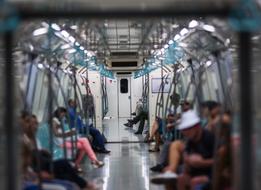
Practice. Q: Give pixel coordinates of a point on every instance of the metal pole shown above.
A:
(10, 132)
(246, 124)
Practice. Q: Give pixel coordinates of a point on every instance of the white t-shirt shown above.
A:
(59, 140)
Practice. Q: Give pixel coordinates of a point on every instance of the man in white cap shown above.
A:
(197, 155)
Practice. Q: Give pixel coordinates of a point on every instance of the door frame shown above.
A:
(118, 94)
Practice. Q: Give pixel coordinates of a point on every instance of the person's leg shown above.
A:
(154, 129)
(183, 182)
(98, 140)
(141, 126)
(84, 144)
(164, 154)
(158, 140)
(175, 153)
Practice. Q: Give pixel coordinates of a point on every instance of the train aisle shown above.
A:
(127, 166)
(115, 131)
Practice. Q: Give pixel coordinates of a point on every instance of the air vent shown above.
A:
(124, 64)
(123, 73)
(123, 36)
(123, 42)
(124, 54)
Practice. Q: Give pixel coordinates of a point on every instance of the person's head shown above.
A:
(42, 161)
(34, 123)
(72, 103)
(204, 109)
(226, 124)
(185, 105)
(190, 125)
(25, 121)
(170, 118)
(60, 112)
(214, 108)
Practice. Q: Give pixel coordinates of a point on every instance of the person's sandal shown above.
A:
(98, 164)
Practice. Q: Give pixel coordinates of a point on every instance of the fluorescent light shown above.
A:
(40, 31)
(164, 35)
(209, 28)
(65, 33)
(208, 63)
(82, 48)
(72, 39)
(175, 25)
(171, 42)
(72, 51)
(91, 63)
(45, 24)
(162, 50)
(177, 37)
(65, 46)
(182, 44)
(40, 66)
(56, 27)
(166, 46)
(193, 24)
(74, 27)
(184, 31)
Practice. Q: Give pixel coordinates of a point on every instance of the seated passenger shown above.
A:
(98, 142)
(197, 155)
(62, 169)
(163, 160)
(157, 131)
(141, 116)
(223, 170)
(82, 143)
(214, 109)
(42, 164)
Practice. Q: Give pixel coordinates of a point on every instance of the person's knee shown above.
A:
(177, 146)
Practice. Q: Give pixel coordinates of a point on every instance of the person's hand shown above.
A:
(194, 160)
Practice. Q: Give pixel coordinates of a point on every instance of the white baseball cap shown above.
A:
(188, 120)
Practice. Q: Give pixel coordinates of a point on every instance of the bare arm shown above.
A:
(56, 128)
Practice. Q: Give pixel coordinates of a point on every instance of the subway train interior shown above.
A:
(130, 95)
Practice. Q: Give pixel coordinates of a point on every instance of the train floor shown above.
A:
(127, 166)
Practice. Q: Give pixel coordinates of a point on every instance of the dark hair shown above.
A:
(34, 116)
(210, 104)
(42, 161)
(70, 101)
(58, 111)
(24, 114)
(171, 115)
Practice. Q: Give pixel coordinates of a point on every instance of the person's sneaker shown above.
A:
(165, 178)
(105, 151)
(157, 168)
(138, 133)
(154, 150)
(127, 124)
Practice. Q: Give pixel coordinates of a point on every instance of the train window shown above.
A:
(124, 86)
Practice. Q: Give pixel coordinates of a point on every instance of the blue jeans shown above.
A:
(98, 138)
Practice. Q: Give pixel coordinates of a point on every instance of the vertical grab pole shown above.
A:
(50, 93)
(246, 125)
(11, 168)
(87, 98)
